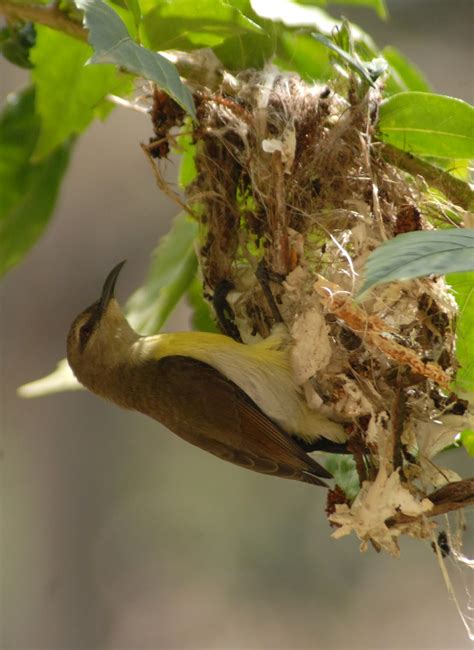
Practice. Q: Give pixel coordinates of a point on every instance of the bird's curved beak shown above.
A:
(109, 286)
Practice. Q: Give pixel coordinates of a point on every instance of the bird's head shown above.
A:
(100, 337)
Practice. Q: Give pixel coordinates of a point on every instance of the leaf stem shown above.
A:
(453, 188)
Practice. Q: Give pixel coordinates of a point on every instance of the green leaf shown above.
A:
(187, 168)
(459, 168)
(369, 71)
(187, 150)
(28, 191)
(377, 5)
(202, 320)
(171, 272)
(58, 381)
(462, 285)
(286, 24)
(297, 16)
(415, 254)
(247, 51)
(302, 53)
(69, 94)
(467, 439)
(405, 75)
(123, 10)
(112, 43)
(188, 24)
(16, 41)
(428, 124)
(134, 8)
(344, 470)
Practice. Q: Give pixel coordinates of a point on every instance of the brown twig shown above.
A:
(356, 447)
(48, 15)
(453, 496)
(459, 491)
(263, 277)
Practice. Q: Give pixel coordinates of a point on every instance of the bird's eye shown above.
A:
(84, 334)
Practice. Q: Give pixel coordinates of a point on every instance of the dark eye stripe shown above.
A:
(85, 333)
(88, 327)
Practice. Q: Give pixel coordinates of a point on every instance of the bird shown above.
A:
(240, 402)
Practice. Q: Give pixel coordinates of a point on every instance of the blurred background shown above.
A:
(115, 533)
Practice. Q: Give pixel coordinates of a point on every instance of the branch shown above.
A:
(48, 15)
(200, 67)
(453, 496)
(453, 188)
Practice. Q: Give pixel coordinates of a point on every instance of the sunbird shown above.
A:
(239, 402)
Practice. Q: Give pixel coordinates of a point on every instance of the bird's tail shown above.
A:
(307, 477)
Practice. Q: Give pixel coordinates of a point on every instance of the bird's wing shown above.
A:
(207, 409)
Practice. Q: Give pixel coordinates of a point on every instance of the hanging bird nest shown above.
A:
(292, 192)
